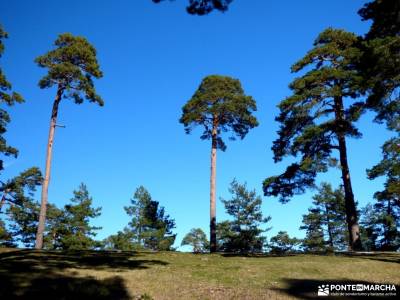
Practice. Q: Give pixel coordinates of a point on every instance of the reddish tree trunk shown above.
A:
(351, 211)
(46, 180)
(213, 221)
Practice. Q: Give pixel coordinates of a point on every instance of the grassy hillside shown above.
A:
(29, 274)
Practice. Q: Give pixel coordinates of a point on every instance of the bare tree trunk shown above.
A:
(213, 221)
(46, 180)
(351, 210)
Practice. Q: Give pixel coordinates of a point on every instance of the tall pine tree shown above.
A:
(380, 67)
(72, 65)
(219, 105)
(318, 118)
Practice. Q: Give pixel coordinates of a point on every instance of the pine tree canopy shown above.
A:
(220, 103)
(380, 225)
(5, 86)
(22, 210)
(137, 211)
(282, 243)
(311, 119)
(197, 239)
(203, 7)
(6, 238)
(243, 232)
(150, 226)
(385, 15)
(17, 187)
(381, 60)
(67, 228)
(389, 166)
(381, 73)
(8, 98)
(325, 222)
(244, 207)
(71, 67)
(122, 240)
(78, 233)
(23, 220)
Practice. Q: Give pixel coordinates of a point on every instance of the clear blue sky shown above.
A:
(153, 58)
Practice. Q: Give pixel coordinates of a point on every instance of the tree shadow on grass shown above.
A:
(259, 255)
(30, 274)
(308, 288)
(391, 257)
(57, 286)
(23, 260)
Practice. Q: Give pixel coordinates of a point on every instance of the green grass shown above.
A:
(29, 274)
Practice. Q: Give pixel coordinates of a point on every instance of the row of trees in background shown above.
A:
(150, 227)
(324, 225)
(69, 228)
(66, 228)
